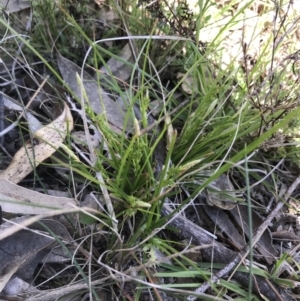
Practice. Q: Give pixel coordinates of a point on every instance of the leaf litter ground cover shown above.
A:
(157, 166)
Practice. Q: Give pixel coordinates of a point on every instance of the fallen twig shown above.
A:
(223, 255)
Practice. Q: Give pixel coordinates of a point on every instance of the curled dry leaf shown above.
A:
(46, 141)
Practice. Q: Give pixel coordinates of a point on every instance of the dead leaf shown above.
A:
(221, 219)
(189, 84)
(285, 236)
(98, 99)
(264, 246)
(46, 141)
(13, 6)
(33, 123)
(19, 200)
(21, 252)
(116, 66)
(111, 19)
(99, 2)
(17, 286)
(220, 193)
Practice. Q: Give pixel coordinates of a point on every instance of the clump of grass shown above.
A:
(229, 114)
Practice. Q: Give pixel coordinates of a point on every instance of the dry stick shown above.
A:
(274, 289)
(245, 251)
